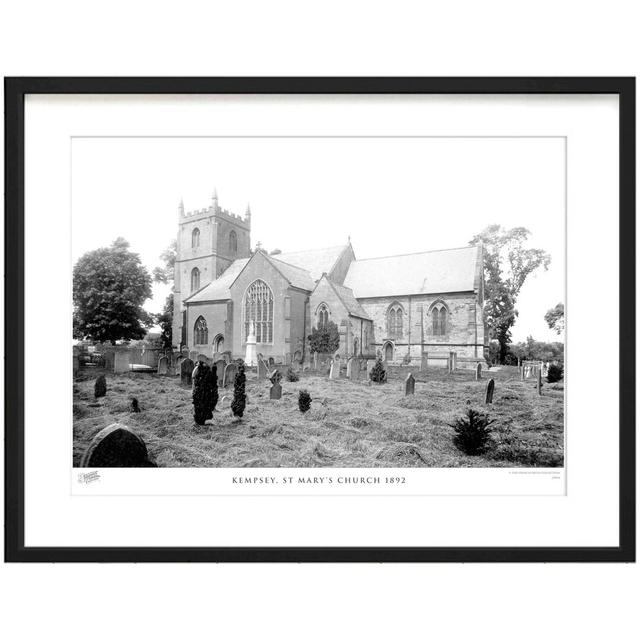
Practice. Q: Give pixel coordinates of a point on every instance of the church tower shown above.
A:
(209, 240)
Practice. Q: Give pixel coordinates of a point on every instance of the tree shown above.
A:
(165, 320)
(555, 318)
(325, 339)
(507, 265)
(166, 273)
(110, 285)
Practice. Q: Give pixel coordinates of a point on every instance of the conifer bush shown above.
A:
(292, 376)
(205, 392)
(555, 373)
(472, 433)
(239, 396)
(378, 374)
(304, 401)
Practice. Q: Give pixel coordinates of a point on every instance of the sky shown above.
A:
(388, 195)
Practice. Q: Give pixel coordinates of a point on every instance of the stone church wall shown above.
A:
(465, 330)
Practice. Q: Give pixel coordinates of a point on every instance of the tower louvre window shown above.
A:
(258, 310)
(233, 242)
(200, 331)
(195, 238)
(195, 279)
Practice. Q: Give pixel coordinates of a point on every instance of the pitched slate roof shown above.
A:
(315, 261)
(219, 289)
(444, 271)
(296, 276)
(349, 300)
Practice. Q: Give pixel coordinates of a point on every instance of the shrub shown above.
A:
(239, 397)
(292, 376)
(304, 401)
(473, 435)
(378, 374)
(555, 373)
(325, 339)
(100, 388)
(205, 392)
(135, 405)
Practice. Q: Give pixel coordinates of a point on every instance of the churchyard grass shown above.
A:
(348, 425)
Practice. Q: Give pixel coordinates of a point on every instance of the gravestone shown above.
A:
(121, 361)
(356, 369)
(334, 371)
(117, 446)
(409, 385)
(230, 372)
(193, 355)
(186, 371)
(163, 366)
(539, 381)
(179, 361)
(488, 398)
(220, 365)
(100, 387)
(263, 370)
(315, 360)
(203, 358)
(350, 367)
(287, 359)
(370, 364)
(479, 371)
(522, 373)
(271, 361)
(275, 393)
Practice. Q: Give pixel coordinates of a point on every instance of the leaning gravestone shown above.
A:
(163, 366)
(409, 385)
(263, 370)
(275, 393)
(488, 399)
(479, 371)
(230, 372)
(117, 446)
(186, 371)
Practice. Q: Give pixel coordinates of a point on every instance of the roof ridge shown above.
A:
(295, 266)
(415, 253)
(335, 246)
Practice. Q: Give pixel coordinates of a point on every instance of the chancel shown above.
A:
(406, 308)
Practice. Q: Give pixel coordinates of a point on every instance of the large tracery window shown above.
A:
(439, 320)
(323, 316)
(258, 310)
(195, 238)
(200, 331)
(195, 279)
(395, 320)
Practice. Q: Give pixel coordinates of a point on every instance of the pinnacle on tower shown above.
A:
(181, 207)
(247, 215)
(214, 199)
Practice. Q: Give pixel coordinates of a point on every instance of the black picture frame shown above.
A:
(15, 91)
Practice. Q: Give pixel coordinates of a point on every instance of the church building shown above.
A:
(403, 307)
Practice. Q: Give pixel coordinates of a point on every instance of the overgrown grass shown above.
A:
(348, 425)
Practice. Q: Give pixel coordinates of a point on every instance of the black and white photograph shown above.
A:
(318, 301)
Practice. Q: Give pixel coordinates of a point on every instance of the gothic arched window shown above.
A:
(258, 310)
(394, 320)
(200, 331)
(233, 242)
(439, 320)
(323, 316)
(195, 238)
(195, 279)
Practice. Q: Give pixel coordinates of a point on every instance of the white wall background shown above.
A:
(332, 38)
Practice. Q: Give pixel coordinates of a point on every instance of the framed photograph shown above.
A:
(320, 319)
